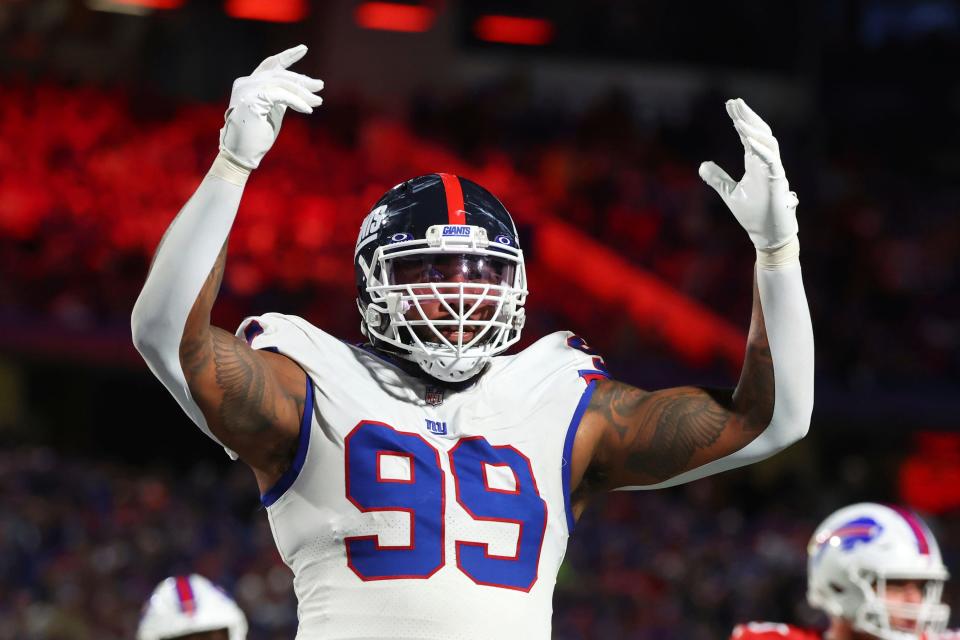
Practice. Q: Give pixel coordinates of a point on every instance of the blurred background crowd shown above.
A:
(588, 120)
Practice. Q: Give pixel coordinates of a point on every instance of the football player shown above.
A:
(876, 571)
(191, 608)
(423, 485)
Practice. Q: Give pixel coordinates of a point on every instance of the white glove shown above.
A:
(257, 105)
(762, 201)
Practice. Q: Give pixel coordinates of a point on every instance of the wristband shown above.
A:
(784, 256)
(228, 170)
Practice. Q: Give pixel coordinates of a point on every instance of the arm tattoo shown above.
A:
(246, 405)
(682, 428)
(650, 437)
(656, 434)
(235, 387)
(195, 347)
(754, 394)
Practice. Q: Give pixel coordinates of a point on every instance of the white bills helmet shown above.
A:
(181, 605)
(853, 555)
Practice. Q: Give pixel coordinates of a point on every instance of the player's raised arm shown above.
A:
(247, 400)
(630, 438)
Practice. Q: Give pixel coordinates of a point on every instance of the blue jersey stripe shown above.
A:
(568, 449)
(303, 442)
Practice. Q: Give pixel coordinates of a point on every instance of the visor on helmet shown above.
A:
(419, 269)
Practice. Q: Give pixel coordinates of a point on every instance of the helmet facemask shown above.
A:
(448, 302)
(878, 568)
(888, 620)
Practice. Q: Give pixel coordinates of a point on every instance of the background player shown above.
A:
(191, 608)
(419, 483)
(876, 571)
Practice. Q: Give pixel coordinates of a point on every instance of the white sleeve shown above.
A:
(182, 264)
(790, 335)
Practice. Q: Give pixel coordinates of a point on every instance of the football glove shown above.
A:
(257, 105)
(762, 201)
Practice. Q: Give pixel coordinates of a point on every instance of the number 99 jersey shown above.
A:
(412, 511)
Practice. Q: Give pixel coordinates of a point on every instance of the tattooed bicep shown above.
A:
(252, 400)
(646, 437)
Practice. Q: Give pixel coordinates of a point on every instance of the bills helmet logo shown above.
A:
(849, 535)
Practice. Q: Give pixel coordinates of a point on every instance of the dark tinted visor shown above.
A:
(448, 267)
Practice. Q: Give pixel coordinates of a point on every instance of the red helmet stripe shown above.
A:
(188, 603)
(922, 545)
(454, 194)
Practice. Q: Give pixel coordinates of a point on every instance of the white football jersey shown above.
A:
(412, 511)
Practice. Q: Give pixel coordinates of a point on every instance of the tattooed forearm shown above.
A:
(754, 395)
(644, 438)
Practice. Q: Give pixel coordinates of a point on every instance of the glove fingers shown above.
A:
(770, 157)
(754, 134)
(292, 87)
(735, 117)
(283, 59)
(284, 97)
(308, 83)
(717, 178)
(750, 116)
(730, 106)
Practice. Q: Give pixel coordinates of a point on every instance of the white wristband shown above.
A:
(226, 169)
(773, 259)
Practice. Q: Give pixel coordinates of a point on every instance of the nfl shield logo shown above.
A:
(433, 396)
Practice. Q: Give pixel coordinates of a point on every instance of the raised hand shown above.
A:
(257, 105)
(762, 201)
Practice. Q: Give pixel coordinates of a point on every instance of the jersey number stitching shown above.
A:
(422, 496)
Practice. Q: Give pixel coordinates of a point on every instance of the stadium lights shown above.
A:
(389, 16)
(267, 10)
(514, 30)
(133, 7)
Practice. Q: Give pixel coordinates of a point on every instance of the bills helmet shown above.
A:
(182, 605)
(440, 276)
(857, 551)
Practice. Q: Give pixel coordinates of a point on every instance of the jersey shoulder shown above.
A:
(263, 330)
(552, 372)
(326, 358)
(559, 355)
(292, 336)
(773, 631)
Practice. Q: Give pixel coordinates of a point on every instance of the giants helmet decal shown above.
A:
(856, 551)
(183, 605)
(440, 276)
